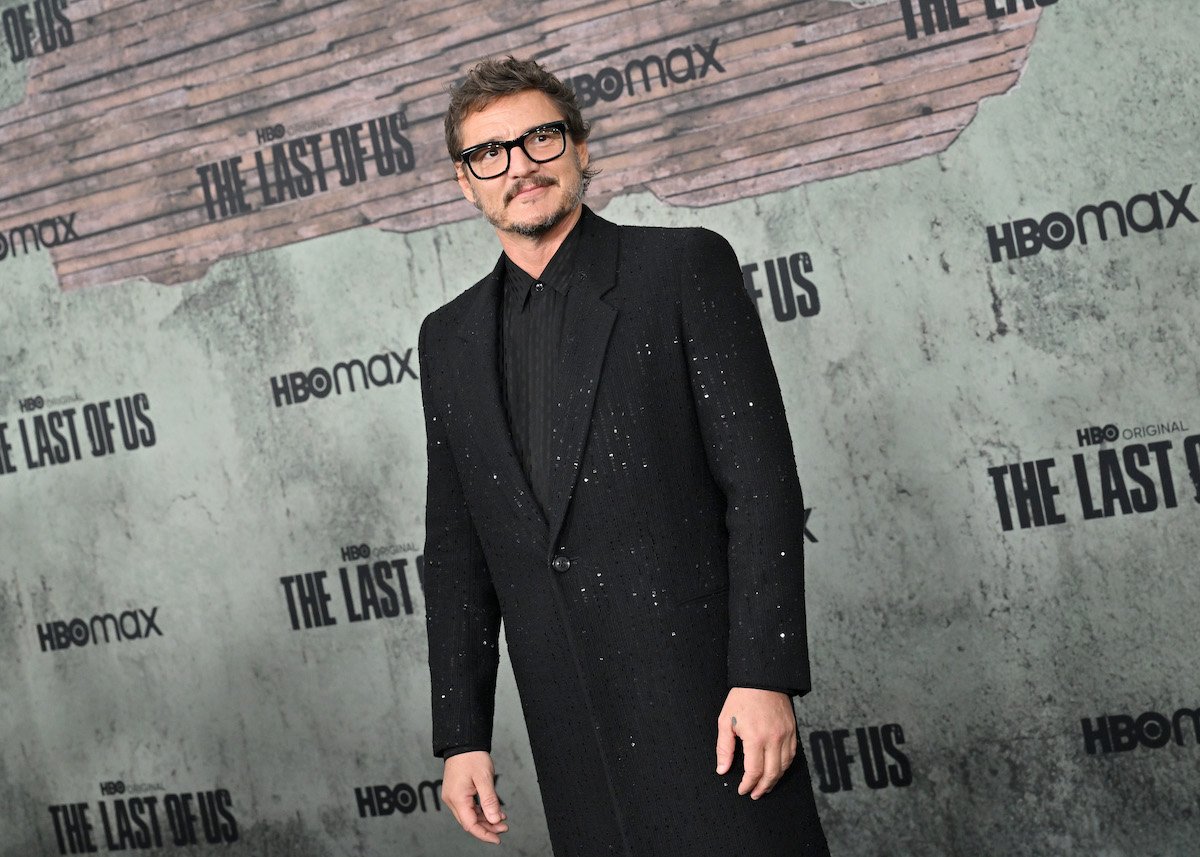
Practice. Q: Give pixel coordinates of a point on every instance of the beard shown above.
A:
(574, 187)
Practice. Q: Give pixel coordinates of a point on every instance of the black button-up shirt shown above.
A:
(532, 315)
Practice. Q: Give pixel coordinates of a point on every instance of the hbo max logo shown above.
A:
(1119, 733)
(129, 625)
(386, 800)
(1142, 212)
(374, 801)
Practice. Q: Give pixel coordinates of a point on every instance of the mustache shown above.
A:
(526, 184)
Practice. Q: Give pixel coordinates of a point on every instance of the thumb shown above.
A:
(725, 744)
(487, 799)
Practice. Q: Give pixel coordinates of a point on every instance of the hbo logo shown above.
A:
(1093, 435)
(269, 133)
(113, 787)
(353, 552)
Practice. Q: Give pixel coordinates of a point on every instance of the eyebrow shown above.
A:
(519, 136)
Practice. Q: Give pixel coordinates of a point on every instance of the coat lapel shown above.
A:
(586, 330)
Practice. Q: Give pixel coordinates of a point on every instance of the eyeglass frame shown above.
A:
(559, 124)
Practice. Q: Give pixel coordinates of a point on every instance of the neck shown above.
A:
(532, 255)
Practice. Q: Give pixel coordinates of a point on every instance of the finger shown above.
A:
(488, 799)
(481, 819)
(770, 774)
(499, 827)
(726, 743)
(753, 763)
(465, 810)
(471, 822)
(787, 754)
(482, 833)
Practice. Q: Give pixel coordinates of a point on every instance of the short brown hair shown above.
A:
(494, 78)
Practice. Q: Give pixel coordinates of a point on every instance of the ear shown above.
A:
(581, 148)
(464, 182)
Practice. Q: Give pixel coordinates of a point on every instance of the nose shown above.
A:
(519, 163)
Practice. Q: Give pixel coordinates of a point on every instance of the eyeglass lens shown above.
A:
(539, 144)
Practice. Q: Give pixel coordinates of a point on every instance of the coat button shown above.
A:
(560, 563)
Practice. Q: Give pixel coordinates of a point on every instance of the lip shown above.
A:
(525, 194)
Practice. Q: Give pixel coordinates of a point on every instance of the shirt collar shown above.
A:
(557, 274)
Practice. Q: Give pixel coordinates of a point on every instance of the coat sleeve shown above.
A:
(462, 614)
(749, 451)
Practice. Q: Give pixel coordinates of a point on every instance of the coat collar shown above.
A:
(587, 326)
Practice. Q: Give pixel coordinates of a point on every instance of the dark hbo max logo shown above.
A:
(374, 801)
(379, 370)
(1142, 213)
(105, 627)
(1120, 733)
(680, 65)
(50, 232)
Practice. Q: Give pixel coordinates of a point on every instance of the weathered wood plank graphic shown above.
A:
(157, 137)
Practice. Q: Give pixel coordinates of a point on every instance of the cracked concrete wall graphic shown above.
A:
(921, 377)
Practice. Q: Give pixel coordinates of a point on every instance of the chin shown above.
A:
(537, 226)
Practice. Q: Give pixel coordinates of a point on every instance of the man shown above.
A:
(610, 472)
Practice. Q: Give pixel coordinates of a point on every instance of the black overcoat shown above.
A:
(666, 569)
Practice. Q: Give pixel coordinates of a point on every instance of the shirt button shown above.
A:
(560, 563)
(537, 287)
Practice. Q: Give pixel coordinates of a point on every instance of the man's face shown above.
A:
(531, 198)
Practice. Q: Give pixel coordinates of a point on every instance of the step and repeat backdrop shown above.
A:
(970, 232)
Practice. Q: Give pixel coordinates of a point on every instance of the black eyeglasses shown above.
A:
(490, 160)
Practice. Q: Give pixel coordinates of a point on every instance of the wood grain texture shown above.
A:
(114, 126)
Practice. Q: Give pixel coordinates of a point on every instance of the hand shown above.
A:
(766, 723)
(464, 776)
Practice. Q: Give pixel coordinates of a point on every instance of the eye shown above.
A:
(486, 153)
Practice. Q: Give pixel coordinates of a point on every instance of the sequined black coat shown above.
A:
(667, 567)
